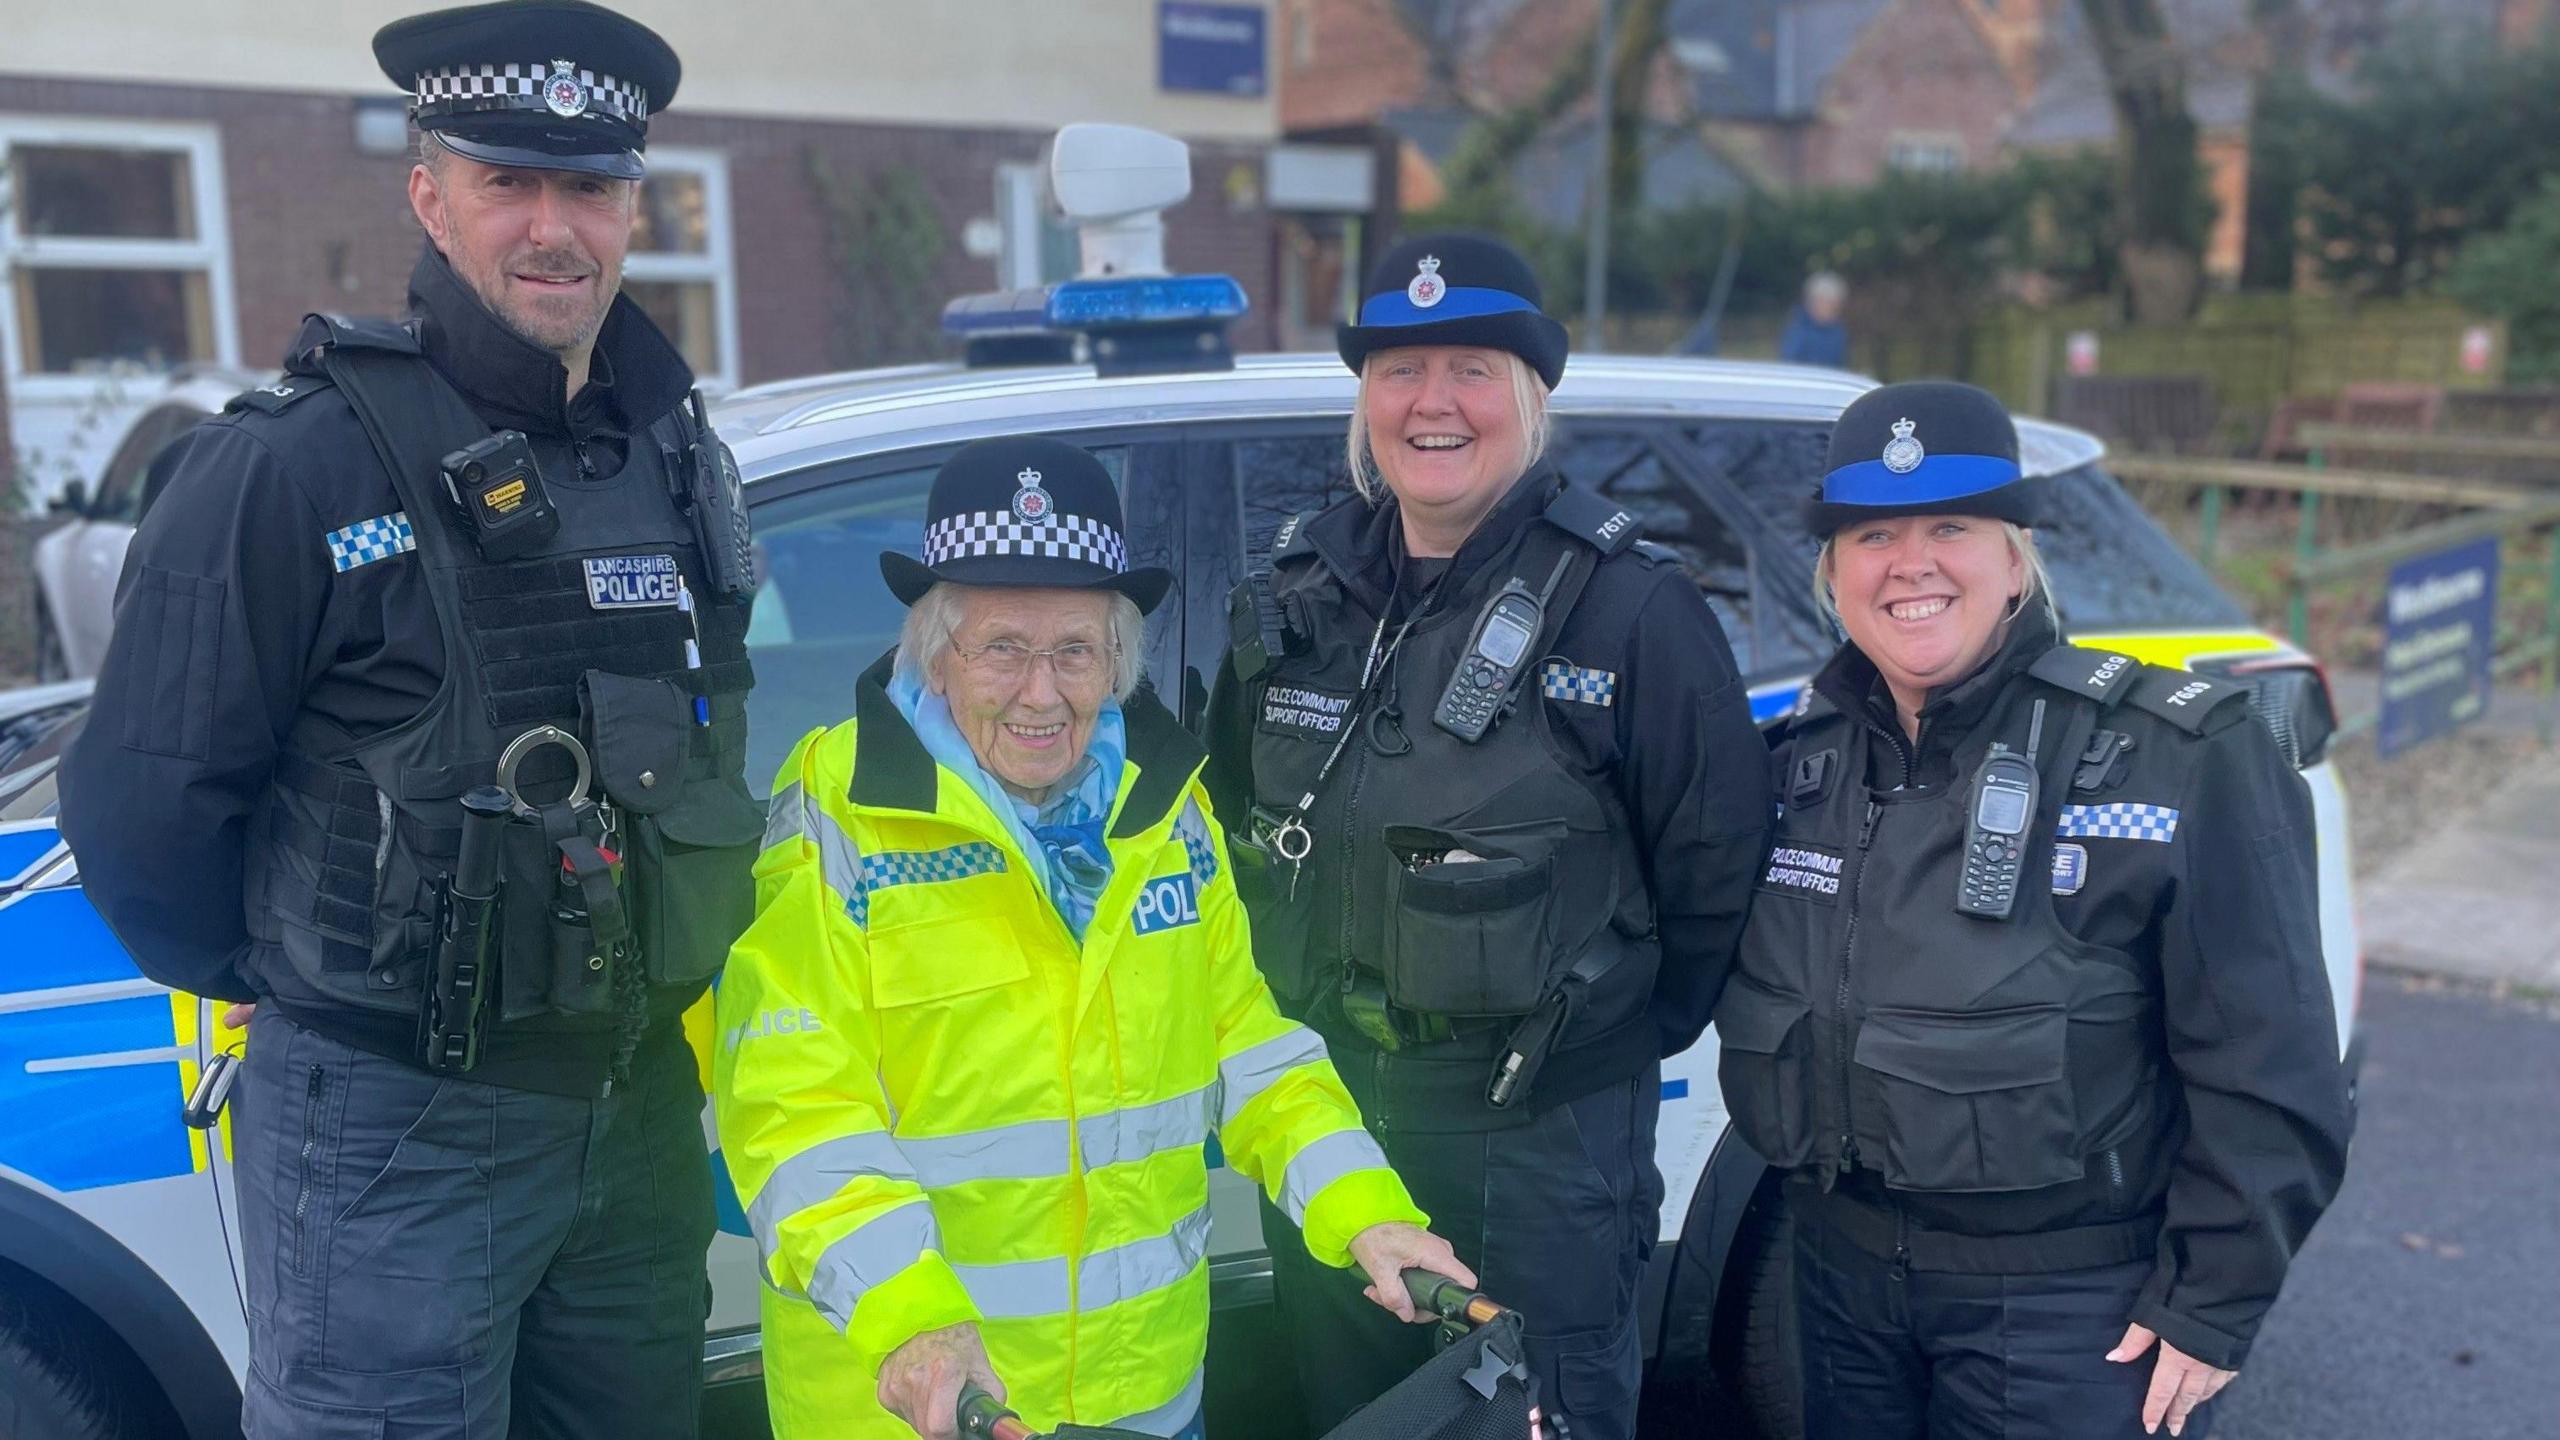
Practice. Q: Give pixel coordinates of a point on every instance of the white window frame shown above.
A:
(209, 252)
(716, 265)
(1903, 142)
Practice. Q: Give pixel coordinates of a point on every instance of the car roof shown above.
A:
(791, 424)
(206, 388)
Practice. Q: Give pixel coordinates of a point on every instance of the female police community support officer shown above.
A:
(2031, 1005)
(473, 1192)
(1495, 797)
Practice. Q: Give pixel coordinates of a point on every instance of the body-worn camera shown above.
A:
(497, 489)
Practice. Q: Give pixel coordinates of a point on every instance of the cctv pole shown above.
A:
(1595, 264)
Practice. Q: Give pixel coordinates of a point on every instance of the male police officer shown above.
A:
(422, 727)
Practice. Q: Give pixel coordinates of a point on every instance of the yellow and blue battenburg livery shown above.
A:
(95, 1060)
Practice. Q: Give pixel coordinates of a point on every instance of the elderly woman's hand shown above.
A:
(2179, 1381)
(1388, 1250)
(920, 1381)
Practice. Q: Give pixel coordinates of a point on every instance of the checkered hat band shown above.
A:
(2121, 821)
(466, 88)
(998, 532)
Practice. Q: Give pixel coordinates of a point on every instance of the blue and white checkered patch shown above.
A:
(2120, 821)
(366, 541)
(1192, 829)
(1560, 681)
(920, 867)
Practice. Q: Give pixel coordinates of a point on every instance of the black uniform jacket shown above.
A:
(2227, 918)
(231, 618)
(1677, 746)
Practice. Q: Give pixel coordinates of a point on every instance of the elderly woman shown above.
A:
(997, 997)
(2031, 1006)
(1497, 800)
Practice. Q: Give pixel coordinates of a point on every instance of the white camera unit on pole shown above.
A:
(1115, 182)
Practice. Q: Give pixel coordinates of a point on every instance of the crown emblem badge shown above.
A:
(1031, 503)
(564, 92)
(1902, 454)
(1426, 288)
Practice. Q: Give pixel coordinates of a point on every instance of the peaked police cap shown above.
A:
(1925, 447)
(1454, 288)
(542, 84)
(1023, 512)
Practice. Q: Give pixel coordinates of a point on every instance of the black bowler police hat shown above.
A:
(543, 84)
(1023, 512)
(1455, 289)
(1926, 447)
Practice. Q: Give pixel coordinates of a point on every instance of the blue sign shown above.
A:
(1217, 49)
(2439, 629)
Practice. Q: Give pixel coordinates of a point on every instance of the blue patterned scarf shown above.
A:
(1062, 839)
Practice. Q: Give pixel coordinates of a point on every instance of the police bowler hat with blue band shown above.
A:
(1926, 447)
(537, 84)
(1023, 512)
(1455, 288)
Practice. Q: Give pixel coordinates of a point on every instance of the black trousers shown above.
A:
(438, 1259)
(1555, 1216)
(1929, 1355)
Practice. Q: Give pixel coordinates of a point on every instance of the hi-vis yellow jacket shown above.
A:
(939, 1108)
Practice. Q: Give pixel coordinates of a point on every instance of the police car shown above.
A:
(120, 1309)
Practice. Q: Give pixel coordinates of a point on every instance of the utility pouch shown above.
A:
(1469, 934)
(590, 928)
(690, 838)
(548, 914)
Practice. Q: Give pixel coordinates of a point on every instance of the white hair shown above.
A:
(1528, 398)
(2037, 589)
(926, 636)
(1826, 285)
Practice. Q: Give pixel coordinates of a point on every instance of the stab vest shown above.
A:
(349, 854)
(1871, 1024)
(1459, 950)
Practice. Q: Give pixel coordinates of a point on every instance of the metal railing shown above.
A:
(2503, 511)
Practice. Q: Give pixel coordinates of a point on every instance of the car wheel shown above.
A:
(65, 1376)
(1757, 1356)
(52, 666)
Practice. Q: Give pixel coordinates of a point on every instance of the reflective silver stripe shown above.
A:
(1031, 1289)
(1247, 1075)
(1169, 1417)
(1022, 1290)
(793, 815)
(816, 1174)
(1143, 1130)
(1321, 1163)
(1124, 1272)
(1030, 1150)
(876, 1250)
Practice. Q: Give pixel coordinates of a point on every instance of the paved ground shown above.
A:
(2477, 898)
(2428, 1301)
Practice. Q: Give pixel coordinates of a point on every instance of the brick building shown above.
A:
(189, 177)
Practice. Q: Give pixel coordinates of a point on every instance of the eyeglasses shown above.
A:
(1011, 660)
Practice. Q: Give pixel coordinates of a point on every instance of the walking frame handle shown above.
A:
(1450, 1300)
(983, 1417)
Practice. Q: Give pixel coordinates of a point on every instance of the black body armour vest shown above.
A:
(1418, 968)
(349, 858)
(1870, 1024)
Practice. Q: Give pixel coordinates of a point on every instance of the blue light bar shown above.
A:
(1158, 300)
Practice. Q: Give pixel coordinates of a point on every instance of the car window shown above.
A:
(120, 485)
(1277, 476)
(822, 612)
(1752, 593)
(2114, 569)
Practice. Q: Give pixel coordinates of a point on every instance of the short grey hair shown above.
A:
(1528, 397)
(1826, 284)
(2037, 589)
(926, 635)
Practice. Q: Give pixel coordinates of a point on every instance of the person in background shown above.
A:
(1814, 334)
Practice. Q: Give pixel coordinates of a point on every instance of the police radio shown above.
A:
(1480, 689)
(497, 489)
(719, 506)
(1995, 832)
